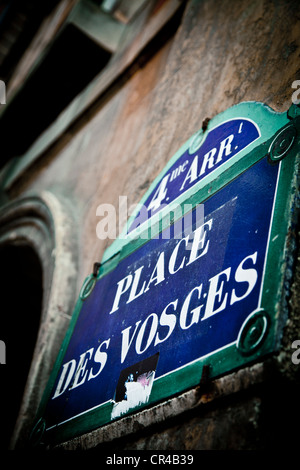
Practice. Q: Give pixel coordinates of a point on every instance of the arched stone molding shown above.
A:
(45, 223)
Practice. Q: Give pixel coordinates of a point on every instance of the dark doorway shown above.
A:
(21, 289)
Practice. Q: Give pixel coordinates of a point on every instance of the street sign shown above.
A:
(203, 156)
(204, 289)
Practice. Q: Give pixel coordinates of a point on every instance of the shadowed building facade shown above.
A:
(99, 96)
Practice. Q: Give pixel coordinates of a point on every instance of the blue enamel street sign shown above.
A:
(202, 157)
(204, 289)
(179, 299)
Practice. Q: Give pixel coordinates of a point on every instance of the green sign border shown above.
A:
(262, 333)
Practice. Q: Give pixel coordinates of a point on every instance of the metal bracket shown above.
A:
(199, 136)
(205, 375)
(96, 269)
(90, 282)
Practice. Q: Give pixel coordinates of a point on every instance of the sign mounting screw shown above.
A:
(282, 143)
(253, 332)
(88, 286)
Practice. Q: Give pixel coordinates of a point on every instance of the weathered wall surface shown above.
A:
(223, 52)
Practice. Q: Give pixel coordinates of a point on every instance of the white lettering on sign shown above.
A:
(200, 303)
(209, 160)
(222, 143)
(199, 248)
(135, 336)
(80, 369)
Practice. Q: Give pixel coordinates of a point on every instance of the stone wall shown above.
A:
(222, 53)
